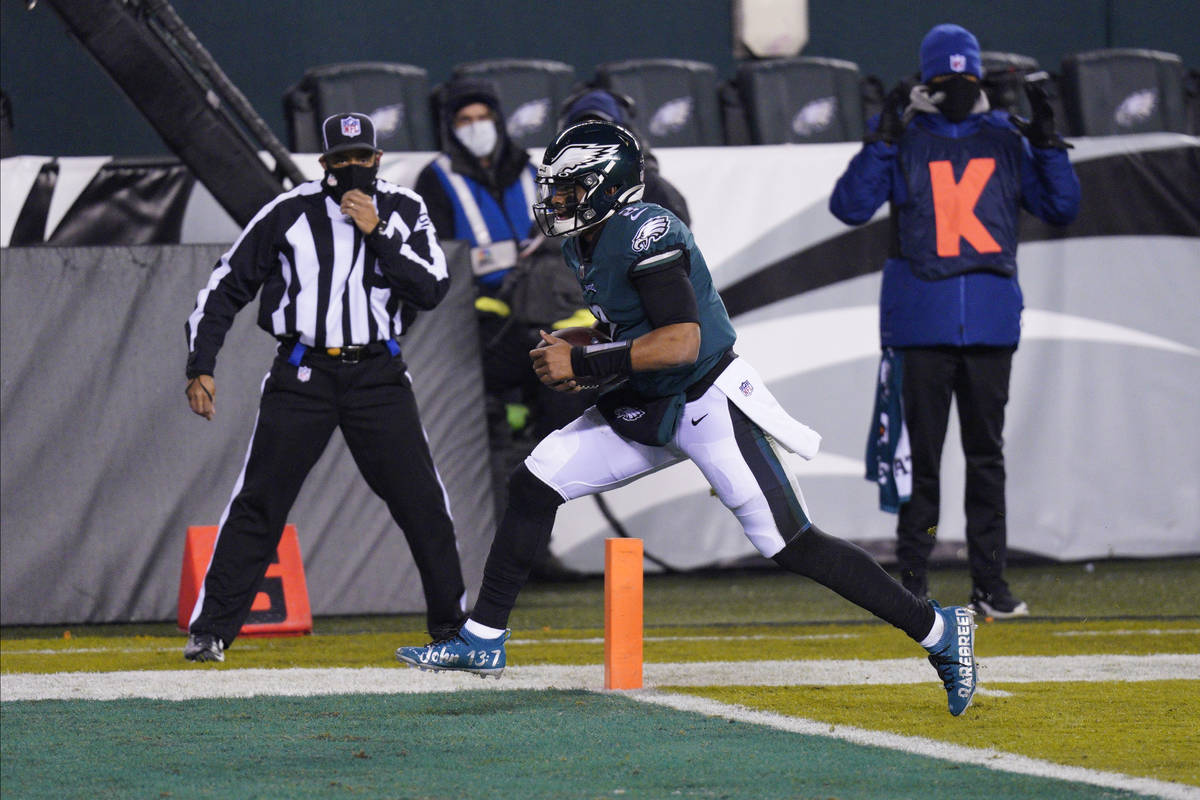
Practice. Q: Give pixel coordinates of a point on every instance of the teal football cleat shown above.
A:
(954, 656)
(462, 652)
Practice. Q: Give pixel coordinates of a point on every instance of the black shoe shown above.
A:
(204, 647)
(998, 604)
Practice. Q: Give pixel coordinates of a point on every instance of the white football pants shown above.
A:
(743, 464)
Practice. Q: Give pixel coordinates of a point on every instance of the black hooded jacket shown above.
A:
(506, 167)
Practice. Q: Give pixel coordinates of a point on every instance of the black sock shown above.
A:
(522, 534)
(850, 571)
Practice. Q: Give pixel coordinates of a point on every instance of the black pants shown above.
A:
(373, 404)
(977, 377)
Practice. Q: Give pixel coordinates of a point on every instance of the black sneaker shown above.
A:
(204, 647)
(999, 604)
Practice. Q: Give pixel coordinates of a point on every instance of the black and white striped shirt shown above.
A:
(322, 280)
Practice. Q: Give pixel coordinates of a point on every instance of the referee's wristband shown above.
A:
(380, 229)
(602, 360)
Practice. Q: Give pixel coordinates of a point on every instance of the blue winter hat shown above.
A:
(596, 104)
(947, 49)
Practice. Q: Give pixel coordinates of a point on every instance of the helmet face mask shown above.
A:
(588, 173)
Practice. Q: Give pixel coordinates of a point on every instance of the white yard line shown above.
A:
(198, 681)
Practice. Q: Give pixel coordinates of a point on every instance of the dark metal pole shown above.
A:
(162, 11)
(176, 93)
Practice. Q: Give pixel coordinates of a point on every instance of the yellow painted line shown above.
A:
(740, 638)
(71, 651)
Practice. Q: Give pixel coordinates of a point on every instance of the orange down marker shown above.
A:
(623, 614)
(281, 606)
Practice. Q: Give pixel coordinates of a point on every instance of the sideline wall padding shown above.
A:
(104, 466)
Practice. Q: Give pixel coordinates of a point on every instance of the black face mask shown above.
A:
(961, 95)
(340, 180)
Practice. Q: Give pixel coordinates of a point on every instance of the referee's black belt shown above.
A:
(347, 354)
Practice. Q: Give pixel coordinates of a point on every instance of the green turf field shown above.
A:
(1095, 695)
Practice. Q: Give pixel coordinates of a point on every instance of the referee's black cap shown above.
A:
(350, 131)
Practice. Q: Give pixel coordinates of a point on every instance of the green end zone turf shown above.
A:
(543, 744)
(576, 744)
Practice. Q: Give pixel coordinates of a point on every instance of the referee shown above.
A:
(343, 263)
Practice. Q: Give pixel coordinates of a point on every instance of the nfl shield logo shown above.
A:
(304, 374)
(629, 413)
(351, 126)
(958, 62)
(747, 388)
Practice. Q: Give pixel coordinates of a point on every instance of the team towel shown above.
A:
(889, 458)
(746, 389)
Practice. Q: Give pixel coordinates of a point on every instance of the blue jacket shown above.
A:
(502, 195)
(958, 288)
(508, 216)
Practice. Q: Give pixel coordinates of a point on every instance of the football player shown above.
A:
(685, 394)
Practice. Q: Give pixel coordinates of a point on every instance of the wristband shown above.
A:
(380, 229)
(602, 360)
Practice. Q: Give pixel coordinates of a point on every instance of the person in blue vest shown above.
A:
(957, 175)
(481, 187)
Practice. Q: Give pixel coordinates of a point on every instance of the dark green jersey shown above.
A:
(647, 237)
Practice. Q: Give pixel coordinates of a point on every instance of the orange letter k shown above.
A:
(954, 206)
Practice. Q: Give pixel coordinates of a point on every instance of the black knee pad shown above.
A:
(526, 490)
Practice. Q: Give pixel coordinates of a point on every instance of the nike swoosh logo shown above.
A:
(698, 421)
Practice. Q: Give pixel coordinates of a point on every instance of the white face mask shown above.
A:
(479, 137)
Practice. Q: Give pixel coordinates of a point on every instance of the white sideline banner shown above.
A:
(1102, 431)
